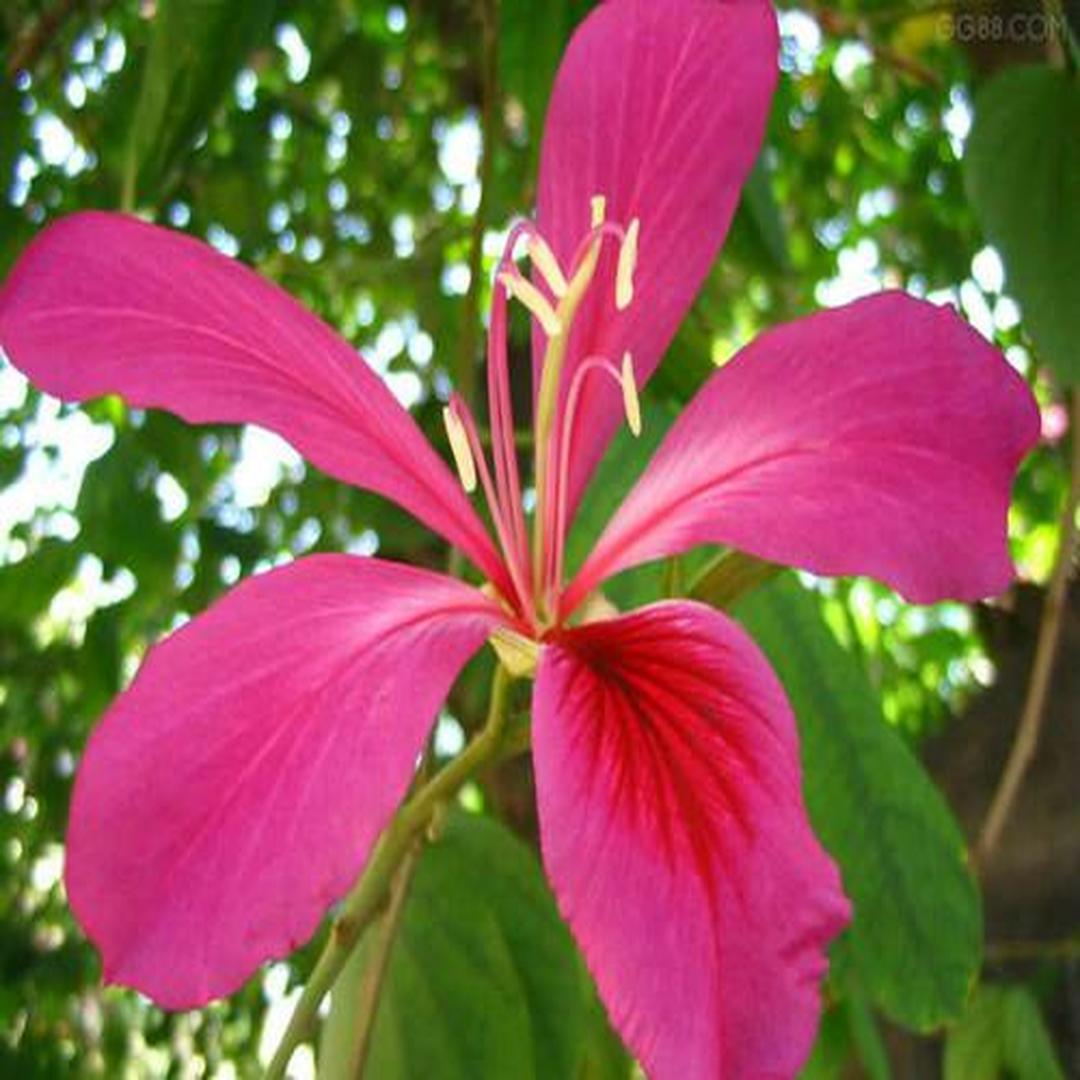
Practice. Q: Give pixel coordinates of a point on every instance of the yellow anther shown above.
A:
(543, 258)
(459, 446)
(630, 396)
(599, 210)
(534, 300)
(624, 274)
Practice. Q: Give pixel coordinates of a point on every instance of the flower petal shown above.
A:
(660, 108)
(878, 438)
(234, 791)
(673, 830)
(102, 303)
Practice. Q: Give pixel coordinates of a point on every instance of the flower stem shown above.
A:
(370, 892)
(379, 962)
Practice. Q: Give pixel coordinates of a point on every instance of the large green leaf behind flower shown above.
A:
(916, 934)
(483, 982)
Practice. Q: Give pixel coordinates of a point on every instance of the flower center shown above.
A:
(553, 296)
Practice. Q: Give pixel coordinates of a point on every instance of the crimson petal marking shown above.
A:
(102, 303)
(878, 438)
(661, 108)
(234, 791)
(674, 833)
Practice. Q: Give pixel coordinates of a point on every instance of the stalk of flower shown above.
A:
(240, 785)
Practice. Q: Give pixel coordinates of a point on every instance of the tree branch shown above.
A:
(466, 367)
(1027, 731)
(30, 46)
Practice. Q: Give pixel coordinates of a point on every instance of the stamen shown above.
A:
(507, 479)
(461, 425)
(543, 258)
(459, 446)
(555, 556)
(534, 300)
(630, 395)
(598, 203)
(624, 275)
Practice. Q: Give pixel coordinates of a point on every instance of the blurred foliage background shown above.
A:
(369, 157)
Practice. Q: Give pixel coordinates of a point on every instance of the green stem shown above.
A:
(370, 892)
(379, 962)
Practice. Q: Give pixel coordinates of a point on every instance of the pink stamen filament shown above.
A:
(507, 478)
(557, 548)
(598, 232)
(551, 460)
(498, 513)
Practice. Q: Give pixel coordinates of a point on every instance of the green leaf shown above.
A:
(483, 981)
(10, 131)
(604, 1056)
(763, 211)
(532, 39)
(916, 934)
(832, 1048)
(121, 519)
(28, 586)
(196, 48)
(730, 576)
(1002, 1034)
(620, 467)
(1022, 168)
(865, 1035)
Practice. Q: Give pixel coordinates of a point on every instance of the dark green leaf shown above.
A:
(1002, 1034)
(195, 51)
(730, 576)
(623, 463)
(760, 204)
(831, 1048)
(917, 930)
(27, 587)
(1022, 169)
(532, 39)
(604, 1057)
(483, 982)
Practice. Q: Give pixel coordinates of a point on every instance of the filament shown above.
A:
(623, 378)
(463, 418)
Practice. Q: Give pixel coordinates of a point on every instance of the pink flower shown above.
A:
(235, 790)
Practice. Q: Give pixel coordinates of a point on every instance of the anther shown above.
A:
(599, 210)
(631, 404)
(459, 446)
(543, 258)
(624, 274)
(534, 300)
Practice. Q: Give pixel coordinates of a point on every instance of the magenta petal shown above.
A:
(101, 303)
(660, 107)
(674, 833)
(234, 791)
(879, 438)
